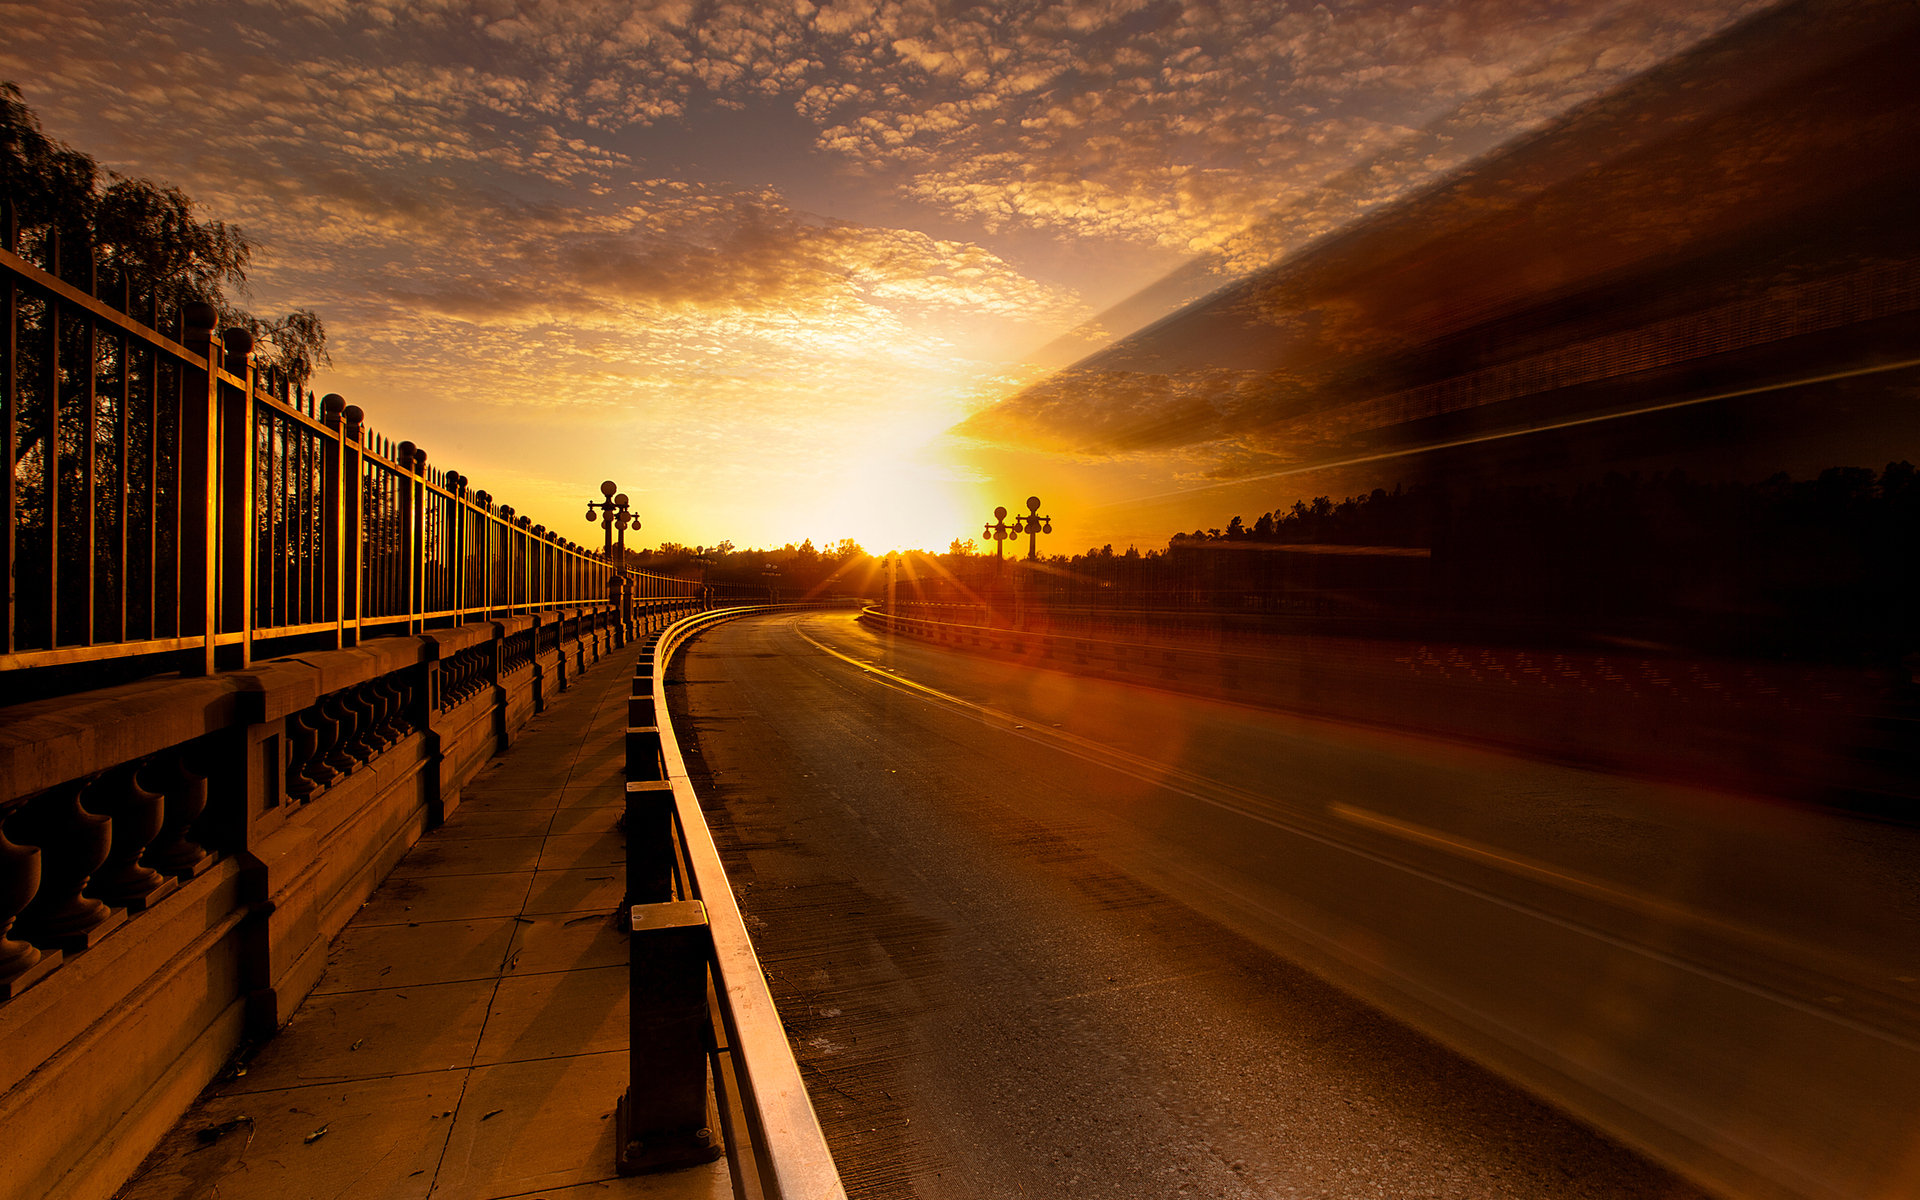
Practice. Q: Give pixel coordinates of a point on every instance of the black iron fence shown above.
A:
(355, 633)
(167, 497)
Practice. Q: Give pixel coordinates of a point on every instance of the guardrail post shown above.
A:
(667, 1117)
(643, 753)
(648, 820)
(648, 823)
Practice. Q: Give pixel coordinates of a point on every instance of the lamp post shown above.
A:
(614, 515)
(701, 561)
(1000, 531)
(771, 574)
(1033, 525)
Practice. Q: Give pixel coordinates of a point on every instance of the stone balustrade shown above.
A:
(176, 853)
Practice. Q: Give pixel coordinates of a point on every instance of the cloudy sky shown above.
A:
(755, 261)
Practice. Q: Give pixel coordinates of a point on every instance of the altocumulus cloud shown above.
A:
(441, 158)
(446, 179)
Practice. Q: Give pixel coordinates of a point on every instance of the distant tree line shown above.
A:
(1826, 566)
(1851, 501)
(790, 568)
(1402, 517)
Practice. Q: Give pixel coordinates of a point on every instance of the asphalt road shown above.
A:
(1036, 935)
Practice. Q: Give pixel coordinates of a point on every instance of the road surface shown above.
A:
(1036, 935)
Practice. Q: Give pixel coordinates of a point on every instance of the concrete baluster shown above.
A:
(19, 880)
(137, 814)
(366, 744)
(336, 732)
(387, 705)
(406, 690)
(400, 689)
(326, 723)
(392, 695)
(172, 852)
(378, 713)
(307, 772)
(73, 843)
(353, 726)
(373, 731)
(453, 680)
(302, 744)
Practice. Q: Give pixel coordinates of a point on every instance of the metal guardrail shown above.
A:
(687, 929)
(177, 852)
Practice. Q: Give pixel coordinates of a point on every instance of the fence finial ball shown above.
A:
(608, 488)
(352, 415)
(403, 454)
(419, 460)
(199, 315)
(332, 404)
(238, 340)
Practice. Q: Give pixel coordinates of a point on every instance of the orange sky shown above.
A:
(754, 261)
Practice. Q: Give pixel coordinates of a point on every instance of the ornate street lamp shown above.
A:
(1000, 531)
(613, 515)
(702, 561)
(1033, 525)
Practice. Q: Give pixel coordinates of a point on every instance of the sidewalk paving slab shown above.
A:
(448, 898)
(468, 1040)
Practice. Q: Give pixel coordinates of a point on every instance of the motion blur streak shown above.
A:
(1723, 981)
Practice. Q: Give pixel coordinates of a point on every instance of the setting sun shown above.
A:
(901, 501)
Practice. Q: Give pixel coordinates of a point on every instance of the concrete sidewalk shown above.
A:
(468, 1040)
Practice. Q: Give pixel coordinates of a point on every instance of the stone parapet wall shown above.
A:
(176, 854)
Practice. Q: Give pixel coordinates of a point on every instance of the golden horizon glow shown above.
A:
(749, 259)
(899, 491)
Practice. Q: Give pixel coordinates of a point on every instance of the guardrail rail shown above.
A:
(687, 929)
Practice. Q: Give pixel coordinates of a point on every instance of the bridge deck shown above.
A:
(470, 1035)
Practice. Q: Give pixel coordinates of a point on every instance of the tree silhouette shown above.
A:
(104, 231)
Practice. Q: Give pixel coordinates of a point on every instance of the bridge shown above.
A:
(319, 765)
(256, 650)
